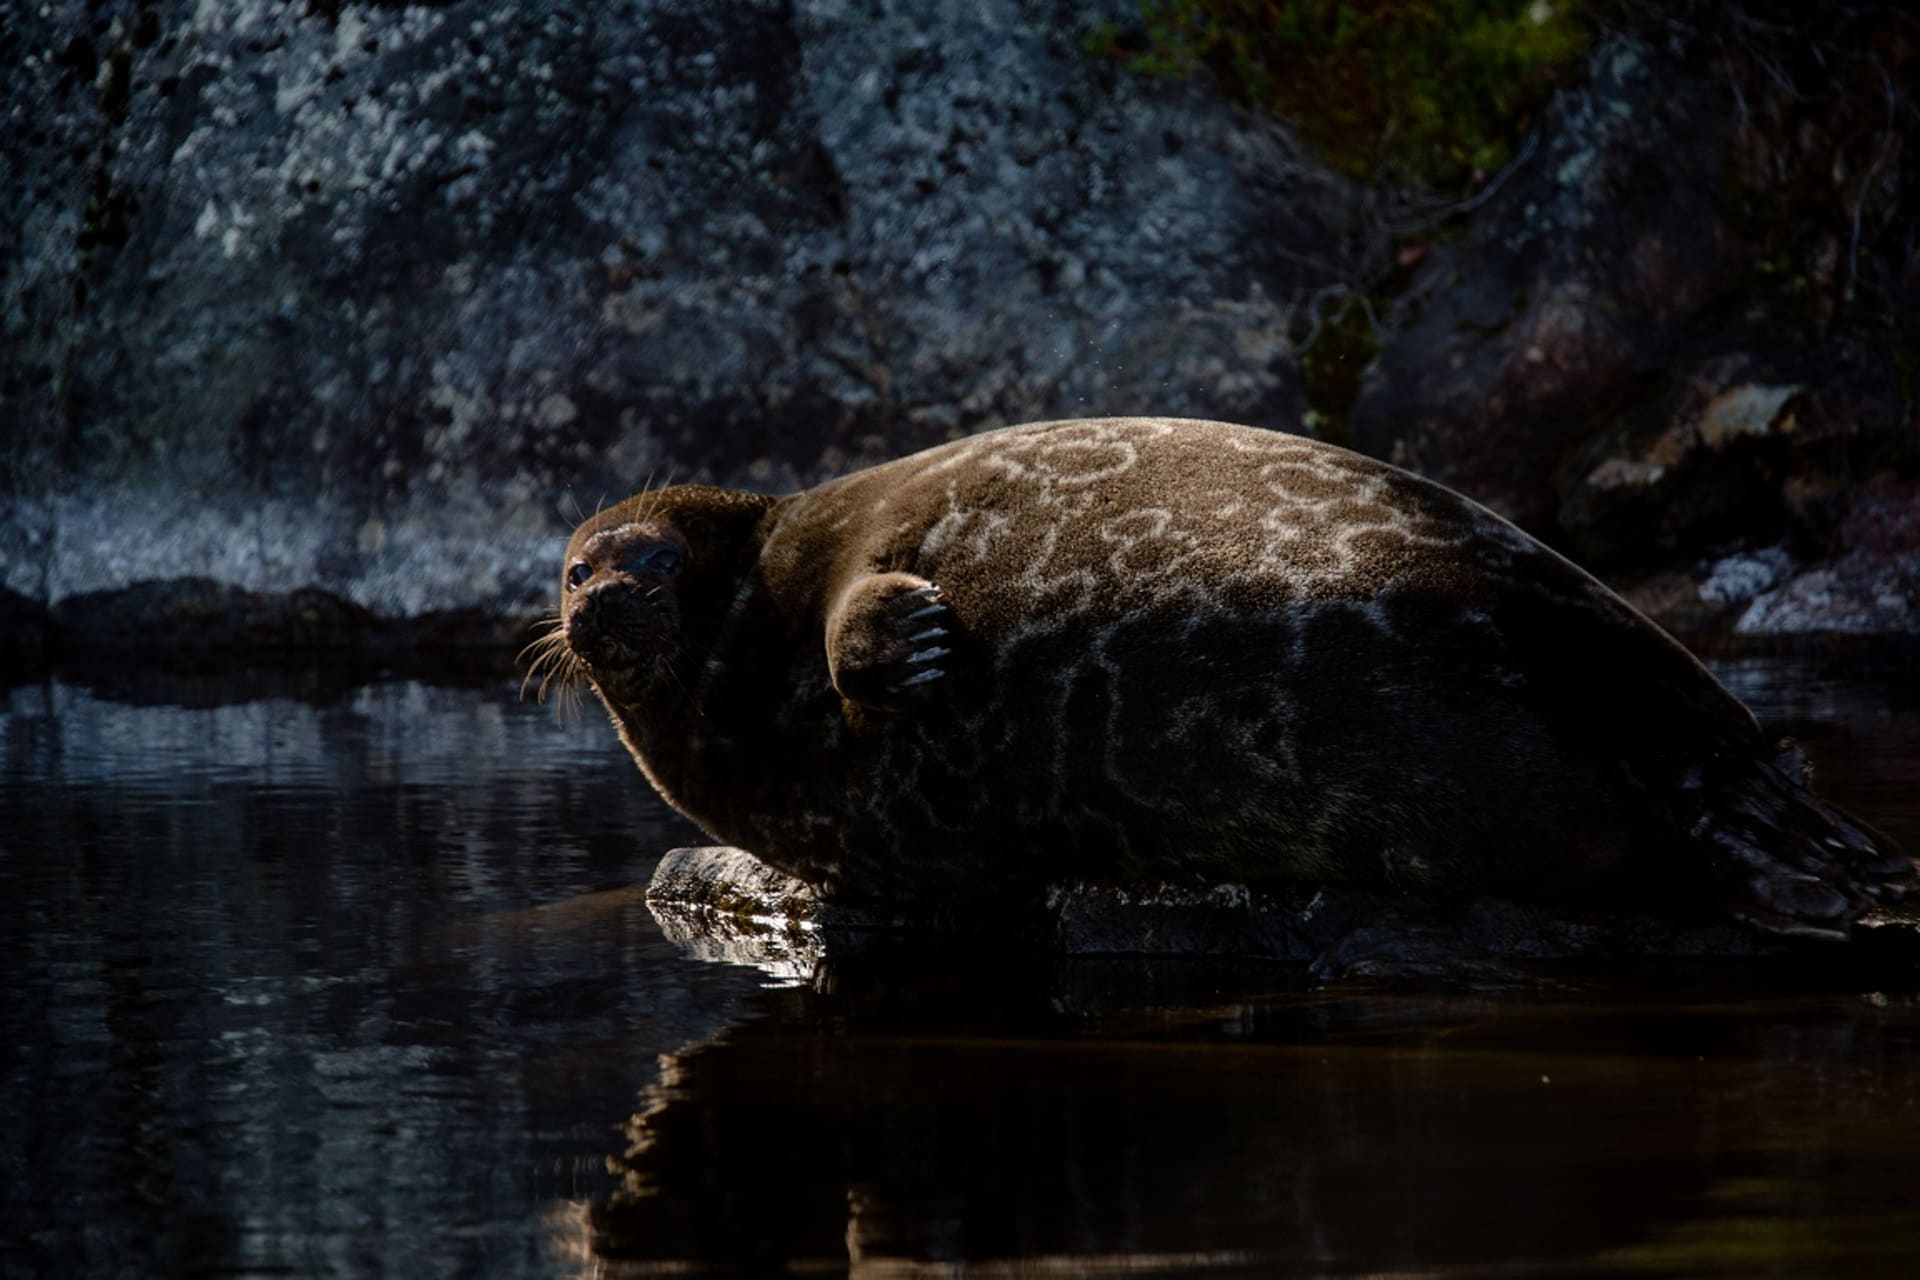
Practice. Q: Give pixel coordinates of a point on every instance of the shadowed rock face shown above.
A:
(1575, 281)
(1677, 329)
(347, 297)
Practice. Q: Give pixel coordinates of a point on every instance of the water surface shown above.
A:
(304, 979)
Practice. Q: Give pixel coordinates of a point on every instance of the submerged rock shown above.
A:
(725, 905)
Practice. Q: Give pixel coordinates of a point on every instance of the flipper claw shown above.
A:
(885, 641)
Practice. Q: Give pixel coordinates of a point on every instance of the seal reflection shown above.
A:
(1124, 1116)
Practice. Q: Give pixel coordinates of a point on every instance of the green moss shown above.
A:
(1330, 367)
(1410, 90)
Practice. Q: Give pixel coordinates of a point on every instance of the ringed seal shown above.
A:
(1147, 650)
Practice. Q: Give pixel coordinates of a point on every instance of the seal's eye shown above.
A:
(578, 573)
(661, 561)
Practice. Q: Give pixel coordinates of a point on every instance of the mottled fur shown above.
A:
(1180, 649)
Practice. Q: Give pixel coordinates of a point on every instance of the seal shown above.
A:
(1154, 650)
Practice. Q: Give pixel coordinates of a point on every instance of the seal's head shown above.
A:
(619, 601)
(640, 586)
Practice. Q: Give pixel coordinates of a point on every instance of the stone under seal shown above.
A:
(1144, 651)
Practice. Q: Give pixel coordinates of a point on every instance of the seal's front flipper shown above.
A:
(888, 639)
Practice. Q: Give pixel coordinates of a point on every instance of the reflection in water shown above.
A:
(1281, 1132)
(1858, 716)
(357, 981)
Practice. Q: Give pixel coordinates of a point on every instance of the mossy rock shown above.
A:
(1424, 91)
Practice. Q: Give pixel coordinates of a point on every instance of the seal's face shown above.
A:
(643, 586)
(619, 603)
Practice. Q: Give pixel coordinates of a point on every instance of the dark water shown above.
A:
(354, 982)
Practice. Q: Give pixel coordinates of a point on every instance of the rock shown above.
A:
(1856, 596)
(1740, 578)
(1519, 340)
(725, 905)
(347, 297)
(1677, 332)
(1704, 463)
(1866, 580)
(1856, 571)
(23, 631)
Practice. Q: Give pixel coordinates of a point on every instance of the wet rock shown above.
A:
(1853, 569)
(725, 905)
(202, 613)
(1865, 578)
(1705, 462)
(23, 630)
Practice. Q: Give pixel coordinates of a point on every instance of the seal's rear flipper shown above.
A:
(1788, 862)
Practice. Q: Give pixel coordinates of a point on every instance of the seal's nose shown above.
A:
(584, 616)
(617, 615)
(596, 624)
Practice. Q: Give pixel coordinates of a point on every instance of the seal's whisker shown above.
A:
(543, 657)
(566, 703)
(548, 657)
(647, 501)
(541, 645)
(558, 669)
(548, 628)
(569, 674)
(547, 676)
(540, 667)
